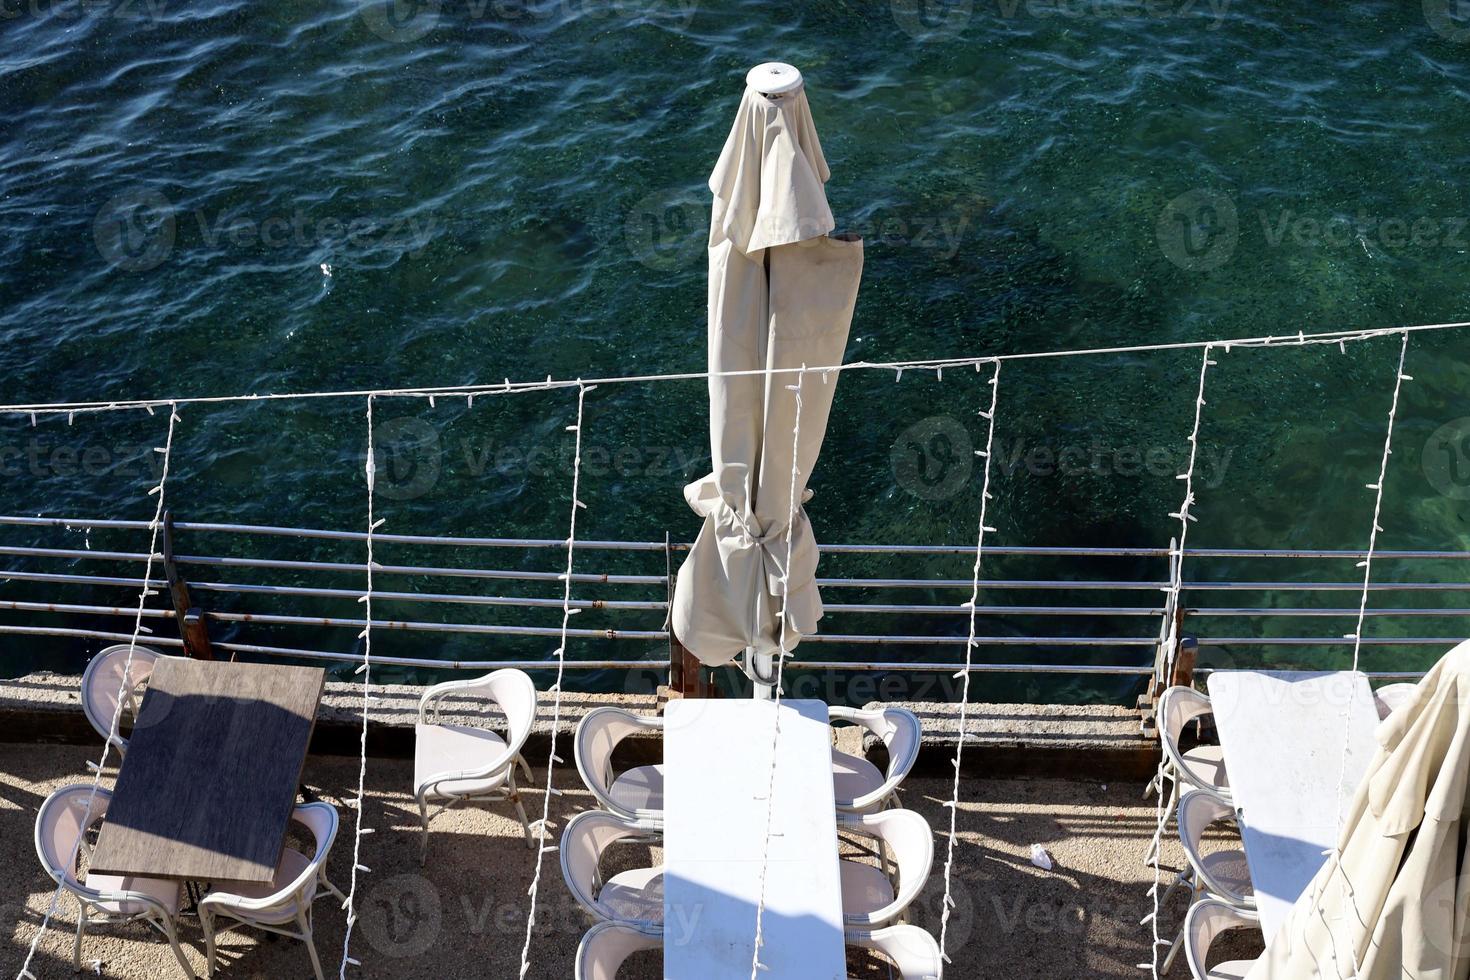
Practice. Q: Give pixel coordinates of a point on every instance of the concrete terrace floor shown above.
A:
(463, 914)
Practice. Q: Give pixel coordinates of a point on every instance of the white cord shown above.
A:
(370, 470)
(1171, 650)
(1299, 339)
(964, 675)
(781, 654)
(122, 691)
(561, 660)
(1357, 637)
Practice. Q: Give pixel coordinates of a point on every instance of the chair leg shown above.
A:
(326, 882)
(76, 947)
(211, 944)
(304, 921)
(1173, 952)
(173, 940)
(526, 768)
(525, 824)
(424, 822)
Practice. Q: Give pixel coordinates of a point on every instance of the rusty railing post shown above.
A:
(190, 618)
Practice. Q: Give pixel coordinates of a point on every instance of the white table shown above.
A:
(717, 759)
(1284, 734)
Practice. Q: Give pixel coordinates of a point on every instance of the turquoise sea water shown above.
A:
(224, 197)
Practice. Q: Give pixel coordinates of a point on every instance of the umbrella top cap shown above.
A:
(774, 79)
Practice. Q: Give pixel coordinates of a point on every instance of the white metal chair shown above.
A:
(911, 949)
(103, 679)
(607, 945)
(104, 899)
(637, 793)
(1222, 875)
(282, 906)
(1202, 767)
(1207, 919)
(859, 785)
(631, 897)
(1392, 697)
(870, 896)
(455, 763)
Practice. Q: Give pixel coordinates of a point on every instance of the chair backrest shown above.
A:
(1178, 706)
(913, 950)
(515, 693)
(598, 734)
(910, 841)
(1392, 697)
(1208, 918)
(103, 679)
(59, 827)
(321, 820)
(901, 733)
(607, 945)
(586, 837)
(1198, 809)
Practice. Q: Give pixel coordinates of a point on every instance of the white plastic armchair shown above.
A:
(1207, 919)
(1221, 874)
(284, 905)
(608, 944)
(103, 679)
(103, 899)
(911, 949)
(870, 896)
(1392, 697)
(859, 785)
(633, 897)
(455, 763)
(1203, 766)
(637, 793)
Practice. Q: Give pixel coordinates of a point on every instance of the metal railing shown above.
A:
(641, 620)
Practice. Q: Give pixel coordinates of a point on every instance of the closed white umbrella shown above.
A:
(1397, 903)
(781, 295)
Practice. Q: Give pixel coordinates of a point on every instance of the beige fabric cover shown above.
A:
(781, 294)
(1397, 904)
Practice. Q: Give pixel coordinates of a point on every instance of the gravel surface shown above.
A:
(463, 914)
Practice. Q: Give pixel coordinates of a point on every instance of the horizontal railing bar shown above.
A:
(486, 629)
(867, 666)
(950, 668)
(60, 607)
(960, 610)
(1310, 641)
(856, 583)
(594, 545)
(988, 641)
(336, 657)
(1194, 611)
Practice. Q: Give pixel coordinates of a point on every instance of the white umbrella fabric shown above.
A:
(1397, 903)
(781, 296)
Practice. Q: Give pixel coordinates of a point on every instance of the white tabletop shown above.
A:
(1284, 734)
(717, 758)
